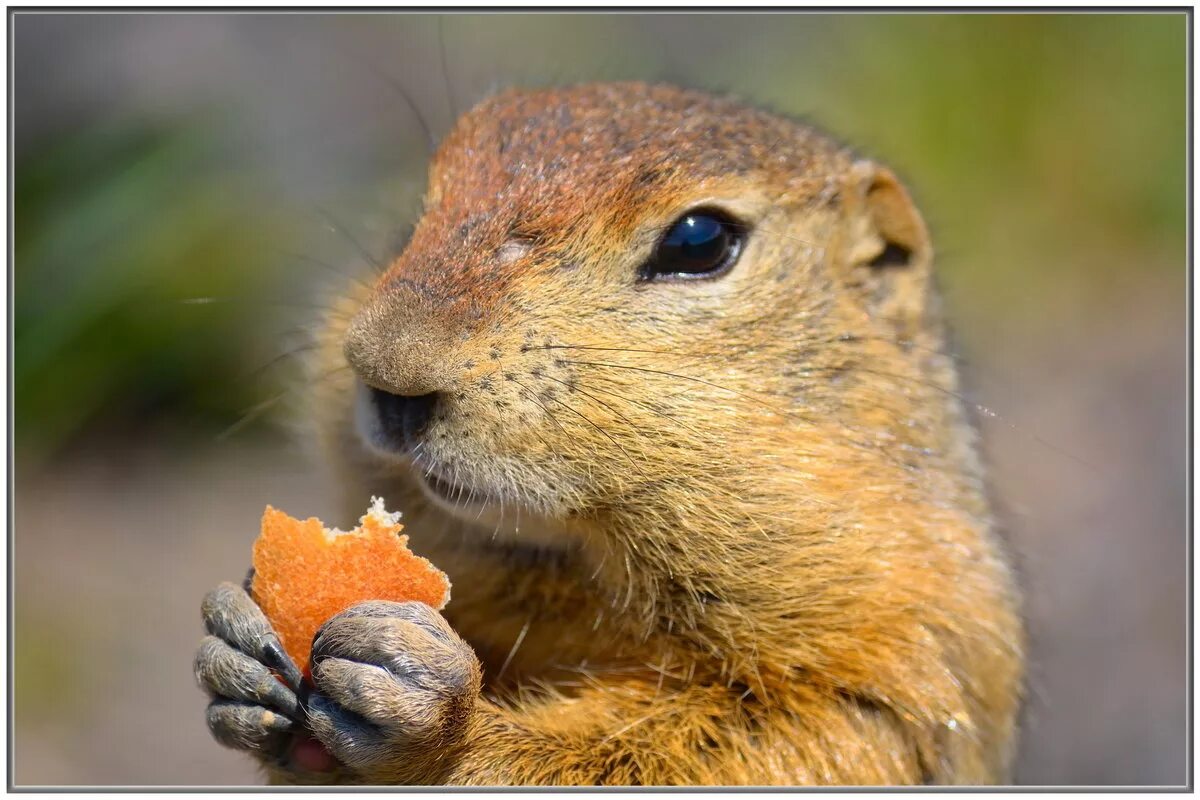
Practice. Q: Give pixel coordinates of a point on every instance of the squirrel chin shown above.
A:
(501, 519)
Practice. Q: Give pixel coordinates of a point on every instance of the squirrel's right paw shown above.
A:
(251, 709)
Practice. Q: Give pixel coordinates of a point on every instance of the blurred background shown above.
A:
(188, 188)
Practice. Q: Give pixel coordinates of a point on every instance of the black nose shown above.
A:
(402, 419)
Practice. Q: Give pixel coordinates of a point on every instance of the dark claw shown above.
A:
(230, 614)
(274, 656)
(231, 674)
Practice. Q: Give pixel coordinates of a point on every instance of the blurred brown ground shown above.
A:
(1074, 336)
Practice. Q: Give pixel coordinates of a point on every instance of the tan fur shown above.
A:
(760, 552)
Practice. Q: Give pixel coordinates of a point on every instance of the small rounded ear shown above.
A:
(888, 254)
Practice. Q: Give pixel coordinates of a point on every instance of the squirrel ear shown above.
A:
(888, 254)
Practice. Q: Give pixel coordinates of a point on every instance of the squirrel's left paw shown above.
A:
(395, 688)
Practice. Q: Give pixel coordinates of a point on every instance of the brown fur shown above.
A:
(761, 552)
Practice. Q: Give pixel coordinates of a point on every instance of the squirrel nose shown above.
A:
(401, 418)
(399, 345)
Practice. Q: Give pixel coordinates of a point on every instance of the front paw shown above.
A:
(396, 688)
(236, 664)
(256, 690)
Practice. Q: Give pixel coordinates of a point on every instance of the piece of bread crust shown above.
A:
(304, 573)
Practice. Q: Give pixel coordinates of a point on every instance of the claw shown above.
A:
(230, 614)
(231, 674)
(274, 656)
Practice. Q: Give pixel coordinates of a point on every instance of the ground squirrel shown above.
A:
(660, 381)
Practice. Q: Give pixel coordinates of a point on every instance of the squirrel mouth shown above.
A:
(456, 496)
(500, 519)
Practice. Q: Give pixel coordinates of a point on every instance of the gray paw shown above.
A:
(395, 685)
(237, 665)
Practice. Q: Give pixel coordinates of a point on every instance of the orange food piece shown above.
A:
(304, 573)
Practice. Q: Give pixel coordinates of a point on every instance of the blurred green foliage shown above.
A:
(118, 228)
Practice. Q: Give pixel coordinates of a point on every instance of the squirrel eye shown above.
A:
(702, 243)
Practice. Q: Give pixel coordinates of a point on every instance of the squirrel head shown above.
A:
(635, 302)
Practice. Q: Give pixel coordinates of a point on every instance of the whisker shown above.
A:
(516, 646)
(526, 348)
(598, 428)
(545, 408)
(254, 303)
(445, 71)
(603, 432)
(325, 265)
(395, 85)
(646, 406)
(257, 410)
(500, 522)
(596, 399)
(362, 251)
(844, 337)
(251, 414)
(684, 377)
(295, 351)
(327, 375)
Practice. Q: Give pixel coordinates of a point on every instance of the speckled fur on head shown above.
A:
(760, 524)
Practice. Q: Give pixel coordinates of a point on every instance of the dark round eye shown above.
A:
(701, 244)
